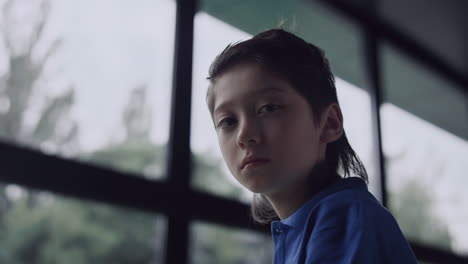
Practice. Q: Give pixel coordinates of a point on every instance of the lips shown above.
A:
(253, 161)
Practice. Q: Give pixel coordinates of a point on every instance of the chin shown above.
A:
(258, 188)
(256, 183)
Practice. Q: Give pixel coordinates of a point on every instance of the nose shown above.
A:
(249, 134)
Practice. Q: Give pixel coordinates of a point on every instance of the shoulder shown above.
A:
(352, 224)
(351, 208)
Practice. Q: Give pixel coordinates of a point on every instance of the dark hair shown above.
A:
(306, 68)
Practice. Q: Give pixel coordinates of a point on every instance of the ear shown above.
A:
(332, 127)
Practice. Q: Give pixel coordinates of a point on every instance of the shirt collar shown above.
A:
(298, 218)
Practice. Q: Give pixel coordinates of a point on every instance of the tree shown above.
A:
(71, 231)
(19, 90)
(54, 129)
(135, 152)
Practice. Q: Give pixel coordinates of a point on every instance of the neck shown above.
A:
(289, 200)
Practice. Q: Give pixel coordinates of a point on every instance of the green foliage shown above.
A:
(70, 231)
(132, 156)
(208, 176)
(412, 207)
(413, 204)
(213, 244)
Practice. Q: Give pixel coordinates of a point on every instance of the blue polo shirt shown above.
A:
(343, 224)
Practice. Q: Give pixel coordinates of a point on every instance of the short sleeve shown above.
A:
(353, 230)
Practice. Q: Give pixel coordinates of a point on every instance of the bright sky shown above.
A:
(111, 46)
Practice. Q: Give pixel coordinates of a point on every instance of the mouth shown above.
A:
(254, 163)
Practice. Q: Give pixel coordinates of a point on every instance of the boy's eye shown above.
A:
(268, 108)
(226, 122)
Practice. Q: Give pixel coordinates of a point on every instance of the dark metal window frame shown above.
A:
(33, 169)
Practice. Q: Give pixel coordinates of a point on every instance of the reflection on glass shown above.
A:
(210, 172)
(216, 244)
(88, 79)
(39, 227)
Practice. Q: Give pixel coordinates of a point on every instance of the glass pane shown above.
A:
(425, 161)
(356, 107)
(40, 227)
(89, 80)
(217, 244)
(212, 35)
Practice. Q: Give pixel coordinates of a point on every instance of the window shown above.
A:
(425, 164)
(89, 80)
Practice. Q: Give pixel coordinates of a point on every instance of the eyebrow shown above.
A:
(265, 90)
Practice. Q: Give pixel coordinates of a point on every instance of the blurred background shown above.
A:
(108, 150)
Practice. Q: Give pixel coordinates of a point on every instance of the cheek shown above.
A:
(298, 143)
(227, 150)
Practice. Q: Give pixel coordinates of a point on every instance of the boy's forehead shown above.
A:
(226, 96)
(243, 82)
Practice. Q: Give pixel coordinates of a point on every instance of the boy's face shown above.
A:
(259, 116)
